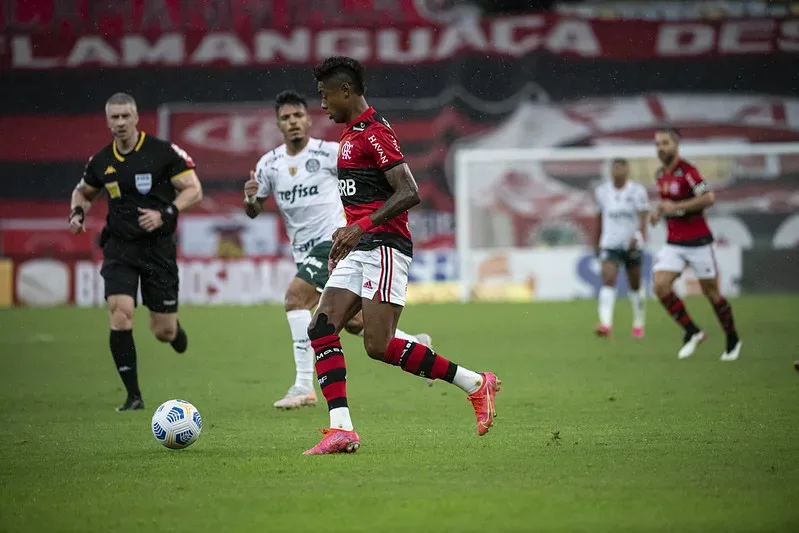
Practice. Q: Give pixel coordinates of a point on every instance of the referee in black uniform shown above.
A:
(149, 183)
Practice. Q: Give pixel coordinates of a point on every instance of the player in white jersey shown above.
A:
(301, 175)
(621, 233)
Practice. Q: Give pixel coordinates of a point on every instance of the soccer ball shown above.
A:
(177, 424)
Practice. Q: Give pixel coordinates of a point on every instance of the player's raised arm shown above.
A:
(83, 194)
(253, 204)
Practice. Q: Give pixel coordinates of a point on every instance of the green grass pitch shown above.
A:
(592, 435)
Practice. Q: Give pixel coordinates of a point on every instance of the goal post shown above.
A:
(525, 215)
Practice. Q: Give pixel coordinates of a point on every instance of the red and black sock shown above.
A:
(419, 360)
(331, 370)
(676, 308)
(724, 313)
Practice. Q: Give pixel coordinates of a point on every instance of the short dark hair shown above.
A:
(289, 97)
(120, 99)
(620, 161)
(348, 69)
(674, 132)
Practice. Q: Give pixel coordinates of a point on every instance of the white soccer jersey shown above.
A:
(305, 187)
(620, 213)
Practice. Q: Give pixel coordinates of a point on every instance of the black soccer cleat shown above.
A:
(181, 340)
(133, 403)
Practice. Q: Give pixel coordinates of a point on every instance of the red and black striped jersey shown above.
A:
(368, 148)
(682, 183)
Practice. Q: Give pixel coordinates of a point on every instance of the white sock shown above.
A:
(340, 419)
(400, 335)
(637, 299)
(607, 299)
(467, 380)
(405, 336)
(299, 321)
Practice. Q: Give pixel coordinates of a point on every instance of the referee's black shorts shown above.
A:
(154, 262)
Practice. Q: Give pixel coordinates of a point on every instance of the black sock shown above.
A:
(181, 341)
(124, 352)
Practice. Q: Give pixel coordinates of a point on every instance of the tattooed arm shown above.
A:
(404, 197)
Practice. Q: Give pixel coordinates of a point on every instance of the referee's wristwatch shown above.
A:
(169, 216)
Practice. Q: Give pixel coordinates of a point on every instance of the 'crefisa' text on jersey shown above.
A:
(141, 178)
(368, 149)
(305, 188)
(682, 183)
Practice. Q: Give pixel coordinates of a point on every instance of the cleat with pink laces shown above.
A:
(602, 331)
(296, 398)
(483, 402)
(638, 333)
(336, 441)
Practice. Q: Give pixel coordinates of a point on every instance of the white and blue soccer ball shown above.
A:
(177, 424)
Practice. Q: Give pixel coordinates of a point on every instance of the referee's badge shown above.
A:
(144, 182)
(292, 171)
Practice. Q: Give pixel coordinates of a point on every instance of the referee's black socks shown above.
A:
(181, 341)
(124, 352)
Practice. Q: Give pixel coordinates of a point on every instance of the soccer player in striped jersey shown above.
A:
(370, 260)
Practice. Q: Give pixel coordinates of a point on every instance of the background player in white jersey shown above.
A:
(621, 233)
(301, 175)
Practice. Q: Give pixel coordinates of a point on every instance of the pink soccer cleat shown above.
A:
(336, 441)
(483, 402)
(638, 332)
(602, 331)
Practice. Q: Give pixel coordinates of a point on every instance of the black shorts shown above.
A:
(154, 262)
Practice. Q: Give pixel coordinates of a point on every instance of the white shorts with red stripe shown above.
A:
(382, 271)
(701, 259)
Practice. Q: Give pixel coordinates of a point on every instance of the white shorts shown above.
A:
(382, 271)
(701, 259)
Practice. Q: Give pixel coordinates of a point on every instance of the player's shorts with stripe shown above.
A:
(382, 271)
(674, 258)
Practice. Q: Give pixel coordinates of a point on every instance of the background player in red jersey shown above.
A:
(685, 196)
(370, 259)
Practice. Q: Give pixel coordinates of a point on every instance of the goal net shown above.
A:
(526, 217)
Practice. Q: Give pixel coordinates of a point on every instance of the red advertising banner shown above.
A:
(30, 138)
(74, 17)
(402, 44)
(226, 141)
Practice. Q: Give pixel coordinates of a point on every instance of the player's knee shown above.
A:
(711, 291)
(375, 347)
(300, 296)
(662, 288)
(164, 332)
(121, 317)
(293, 301)
(320, 327)
(355, 325)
